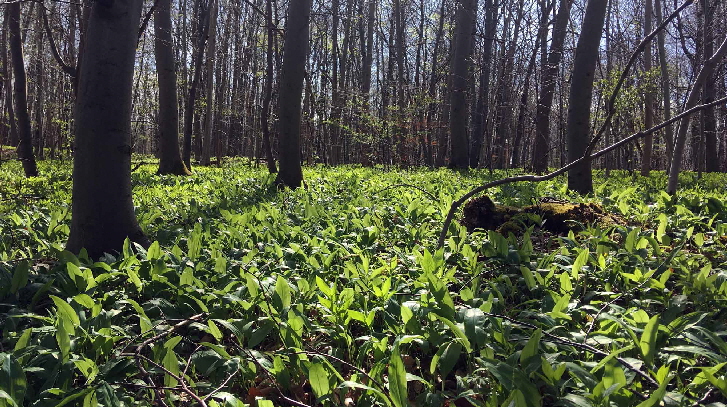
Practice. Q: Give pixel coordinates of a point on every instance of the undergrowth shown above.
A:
(333, 294)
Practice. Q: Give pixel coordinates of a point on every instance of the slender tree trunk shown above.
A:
(25, 146)
(210, 76)
(103, 211)
(268, 89)
(197, 58)
(541, 150)
(295, 52)
(480, 132)
(465, 18)
(432, 91)
(580, 177)
(170, 159)
(13, 138)
(710, 157)
(665, 86)
(692, 100)
(648, 95)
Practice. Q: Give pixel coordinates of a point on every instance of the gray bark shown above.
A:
(170, 158)
(103, 211)
(580, 177)
(465, 18)
(295, 51)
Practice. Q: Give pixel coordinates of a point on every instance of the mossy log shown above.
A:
(556, 217)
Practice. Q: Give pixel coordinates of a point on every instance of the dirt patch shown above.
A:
(554, 216)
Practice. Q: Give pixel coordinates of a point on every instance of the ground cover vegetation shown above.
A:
(335, 294)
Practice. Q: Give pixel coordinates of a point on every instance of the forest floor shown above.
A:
(335, 294)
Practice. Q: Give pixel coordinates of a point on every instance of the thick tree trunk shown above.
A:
(465, 18)
(170, 159)
(541, 150)
(103, 211)
(295, 52)
(580, 177)
(25, 145)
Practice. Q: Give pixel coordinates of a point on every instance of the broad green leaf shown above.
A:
(85, 300)
(20, 276)
(154, 252)
(648, 340)
(449, 357)
(23, 340)
(88, 368)
(170, 361)
(657, 396)
(214, 330)
(531, 348)
(67, 314)
(397, 379)
(456, 330)
(282, 293)
(12, 378)
(319, 380)
(528, 276)
(579, 263)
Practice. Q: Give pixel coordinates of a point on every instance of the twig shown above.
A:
(539, 178)
(272, 380)
(183, 385)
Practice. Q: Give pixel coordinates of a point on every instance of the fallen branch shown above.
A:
(539, 178)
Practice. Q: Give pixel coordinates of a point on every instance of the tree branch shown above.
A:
(539, 178)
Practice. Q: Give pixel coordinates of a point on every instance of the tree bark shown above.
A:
(482, 111)
(541, 150)
(465, 18)
(692, 100)
(170, 158)
(580, 177)
(295, 52)
(648, 95)
(25, 145)
(197, 59)
(264, 116)
(665, 85)
(210, 77)
(709, 127)
(103, 211)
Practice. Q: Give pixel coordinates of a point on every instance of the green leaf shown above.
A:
(12, 378)
(648, 340)
(84, 300)
(457, 332)
(319, 380)
(449, 357)
(23, 340)
(170, 361)
(69, 399)
(580, 262)
(657, 396)
(88, 368)
(528, 276)
(20, 276)
(355, 385)
(154, 252)
(67, 314)
(282, 293)
(214, 330)
(397, 379)
(531, 348)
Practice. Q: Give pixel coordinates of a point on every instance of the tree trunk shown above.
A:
(692, 100)
(103, 211)
(541, 150)
(25, 145)
(197, 59)
(295, 52)
(482, 111)
(665, 86)
(170, 159)
(210, 77)
(580, 177)
(648, 96)
(7, 78)
(264, 116)
(709, 128)
(465, 18)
